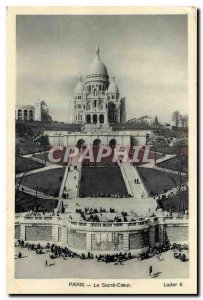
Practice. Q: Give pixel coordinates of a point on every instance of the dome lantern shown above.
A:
(98, 67)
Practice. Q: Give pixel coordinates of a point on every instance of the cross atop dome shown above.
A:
(97, 51)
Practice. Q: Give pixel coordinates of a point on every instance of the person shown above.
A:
(19, 255)
(151, 272)
(46, 263)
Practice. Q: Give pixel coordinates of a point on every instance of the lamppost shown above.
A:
(36, 190)
(45, 158)
(155, 149)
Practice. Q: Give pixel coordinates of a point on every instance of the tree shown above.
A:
(185, 118)
(156, 120)
(175, 117)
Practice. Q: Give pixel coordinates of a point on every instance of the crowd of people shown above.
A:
(105, 195)
(38, 214)
(94, 215)
(116, 258)
(168, 194)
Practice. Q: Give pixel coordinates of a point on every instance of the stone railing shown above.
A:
(131, 225)
(39, 219)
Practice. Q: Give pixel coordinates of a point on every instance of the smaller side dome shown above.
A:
(113, 88)
(79, 87)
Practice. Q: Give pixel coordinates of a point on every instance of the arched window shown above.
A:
(88, 119)
(101, 119)
(20, 114)
(76, 117)
(95, 92)
(95, 119)
(25, 115)
(100, 87)
(95, 103)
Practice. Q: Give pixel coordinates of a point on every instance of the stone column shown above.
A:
(22, 232)
(64, 235)
(161, 234)
(151, 236)
(88, 241)
(125, 241)
(55, 233)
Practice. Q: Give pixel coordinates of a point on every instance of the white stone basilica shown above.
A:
(96, 100)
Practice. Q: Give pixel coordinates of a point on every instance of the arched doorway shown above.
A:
(96, 142)
(88, 119)
(80, 143)
(112, 143)
(101, 119)
(95, 119)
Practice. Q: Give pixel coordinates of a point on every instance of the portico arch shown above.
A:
(20, 114)
(96, 142)
(112, 143)
(80, 143)
(31, 115)
(25, 114)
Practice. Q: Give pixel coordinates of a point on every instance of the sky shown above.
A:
(147, 54)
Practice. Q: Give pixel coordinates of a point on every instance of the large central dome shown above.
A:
(98, 67)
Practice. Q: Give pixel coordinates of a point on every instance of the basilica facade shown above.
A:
(97, 99)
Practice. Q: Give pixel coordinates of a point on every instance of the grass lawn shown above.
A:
(173, 203)
(48, 182)
(175, 163)
(23, 164)
(25, 202)
(157, 181)
(102, 180)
